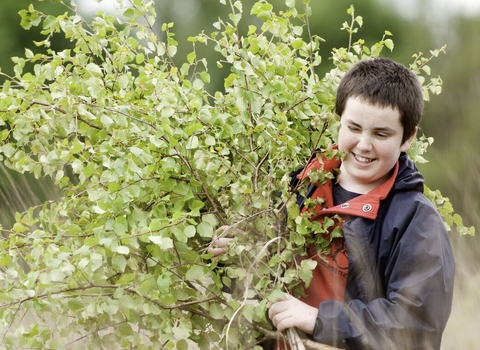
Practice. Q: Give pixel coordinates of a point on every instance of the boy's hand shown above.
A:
(218, 245)
(290, 312)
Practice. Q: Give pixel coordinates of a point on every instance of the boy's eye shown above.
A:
(353, 128)
(381, 135)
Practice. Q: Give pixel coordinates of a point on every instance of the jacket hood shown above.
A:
(408, 177)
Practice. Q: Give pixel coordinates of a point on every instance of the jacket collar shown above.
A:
(365, 205)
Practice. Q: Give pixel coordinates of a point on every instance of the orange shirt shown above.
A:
(330, 273)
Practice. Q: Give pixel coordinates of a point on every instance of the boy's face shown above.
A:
(371, 137)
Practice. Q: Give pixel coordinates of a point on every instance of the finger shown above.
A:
(219, 246)
(281, 319)
(278, 300)
(276, 308)
(216, 251)
(220, 230)
(222, 242)
(227, 231)
(285, 323)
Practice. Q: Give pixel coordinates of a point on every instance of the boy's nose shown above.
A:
(364, 142)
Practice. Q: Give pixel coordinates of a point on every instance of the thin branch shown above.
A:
(299, 102)
(99, 286)
(96, 331)
(276, 335)
(205, 190)
(257, 168)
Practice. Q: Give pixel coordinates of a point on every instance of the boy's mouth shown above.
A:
(362, 159)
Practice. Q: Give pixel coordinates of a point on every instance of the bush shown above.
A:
(151, 163)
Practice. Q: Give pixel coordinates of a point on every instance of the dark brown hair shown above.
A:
(386, 83)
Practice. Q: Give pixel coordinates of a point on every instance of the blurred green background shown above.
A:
(417, 25)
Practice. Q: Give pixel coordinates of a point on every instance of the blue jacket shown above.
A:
(400, 268)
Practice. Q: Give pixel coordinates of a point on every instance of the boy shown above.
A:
(388, 283)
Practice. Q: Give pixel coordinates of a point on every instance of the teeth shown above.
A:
(362, 159)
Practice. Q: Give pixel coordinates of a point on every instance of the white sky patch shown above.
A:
(469, 7)
(90, 7)
(439, 9)
(437, 14)
(407, 8)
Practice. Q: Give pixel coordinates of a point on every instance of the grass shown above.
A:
(462, 331)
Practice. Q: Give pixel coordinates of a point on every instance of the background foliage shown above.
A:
(131, 124)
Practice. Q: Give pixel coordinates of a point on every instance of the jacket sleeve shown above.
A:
(399, 285)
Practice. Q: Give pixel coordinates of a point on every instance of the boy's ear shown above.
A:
(406, 145)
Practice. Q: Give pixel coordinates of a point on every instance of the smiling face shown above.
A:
(371, 137)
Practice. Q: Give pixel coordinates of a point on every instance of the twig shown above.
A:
(307, 343)
(294, 339)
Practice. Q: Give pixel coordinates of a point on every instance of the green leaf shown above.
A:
(195, 272)
(163, 283)
(192, 142)
(297, 44)
(76, 304)
(125, 329)
(389, 44)
(205, 229)
(122, 250)
(119, 262)
(216, 311)
(190, 231)
(94, 69)
(163, 242)
(140, 58)
(182, 344)
(305, 271)
(29, 17)
(262, 10)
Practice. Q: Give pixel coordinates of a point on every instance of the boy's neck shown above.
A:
(361, 188)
